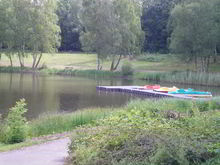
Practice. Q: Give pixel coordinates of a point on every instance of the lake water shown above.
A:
(54, 94)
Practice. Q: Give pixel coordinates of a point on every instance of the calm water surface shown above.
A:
(52, 94)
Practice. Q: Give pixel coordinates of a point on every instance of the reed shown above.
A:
(191, 78)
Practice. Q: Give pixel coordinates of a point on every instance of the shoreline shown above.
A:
(157, 77)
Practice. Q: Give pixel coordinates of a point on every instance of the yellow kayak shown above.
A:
(167, 89)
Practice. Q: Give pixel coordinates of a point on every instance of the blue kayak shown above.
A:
(190, 92)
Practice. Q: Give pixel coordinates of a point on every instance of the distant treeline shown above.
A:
(111, 29)
(154, 20)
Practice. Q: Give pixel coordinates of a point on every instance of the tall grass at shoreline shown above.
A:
(188, 77)
(84, 73)
(54, 71)
(58, 123)
(191, 78)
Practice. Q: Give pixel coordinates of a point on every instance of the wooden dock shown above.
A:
(138, 90)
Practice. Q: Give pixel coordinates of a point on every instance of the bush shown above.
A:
(127, 69)
(15, 125)
(142, 134)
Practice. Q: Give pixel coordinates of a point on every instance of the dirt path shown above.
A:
(50, 153)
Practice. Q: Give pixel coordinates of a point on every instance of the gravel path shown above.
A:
(50, 153)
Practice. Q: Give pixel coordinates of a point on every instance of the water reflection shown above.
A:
(52, 94)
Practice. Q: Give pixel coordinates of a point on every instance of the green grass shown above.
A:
(80, 61)
(152, 132)
(58, 123)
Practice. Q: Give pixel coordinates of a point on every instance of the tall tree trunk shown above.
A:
(115, 66)
(10, 58)
(21, 60)
(34, 60)
(196, 62)
(38, 61)
(112, 65)
(208, 63)
(99, 66)
(215, 55)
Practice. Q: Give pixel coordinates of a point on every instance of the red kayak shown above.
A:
(152, 87)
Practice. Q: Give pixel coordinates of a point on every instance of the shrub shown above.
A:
(151, 58)
(127, 69)
(15, 125)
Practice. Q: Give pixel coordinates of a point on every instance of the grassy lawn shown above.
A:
(82, 61)
(60, 61)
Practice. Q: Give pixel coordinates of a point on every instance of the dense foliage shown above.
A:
(154, 23)
(70, 26)
(174, 132)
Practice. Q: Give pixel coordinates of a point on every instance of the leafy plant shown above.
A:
(15, 124)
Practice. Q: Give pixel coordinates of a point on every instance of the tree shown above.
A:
(194, 32)
(112, 29)
(28, 27)
(14, 19)
(68, 13)
(155, 16)
(44, 31)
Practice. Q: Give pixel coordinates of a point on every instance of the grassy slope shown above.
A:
(174, 132)
(88, 61)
